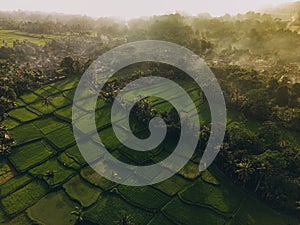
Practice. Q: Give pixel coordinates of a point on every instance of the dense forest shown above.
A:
(255, 57)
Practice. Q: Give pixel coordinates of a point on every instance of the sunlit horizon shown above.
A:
(130, 9)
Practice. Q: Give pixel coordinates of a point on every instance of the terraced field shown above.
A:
(45, 178)
(9, 36)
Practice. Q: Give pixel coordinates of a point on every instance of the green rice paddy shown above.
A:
(9, 36)
(45, 145)
(23, 198)
(29, 155)
(85, 193)
(53, 209)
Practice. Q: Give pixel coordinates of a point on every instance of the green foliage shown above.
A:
(282, 96)
(167, 28)
(68, 65)
(258, 104)
(270, 135)
(287, 117)
(6, 142)
(271, 158)
(239, 137)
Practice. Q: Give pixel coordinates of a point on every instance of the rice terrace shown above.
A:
(254, 180)
(46, 161)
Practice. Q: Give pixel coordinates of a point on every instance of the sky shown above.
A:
(128, 9)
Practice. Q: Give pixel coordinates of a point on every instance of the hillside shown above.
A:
(285, 11)
(45, 178)
(9, 37)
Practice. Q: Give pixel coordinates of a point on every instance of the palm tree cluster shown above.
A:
(262, 163)
(245, 169)
(49, 174)
(14, 81)
(143, 111)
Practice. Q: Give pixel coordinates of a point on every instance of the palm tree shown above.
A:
(4, 150)
(49, 174)
(244, 171)
(126, 220)
(47, 101)
(78, 213)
